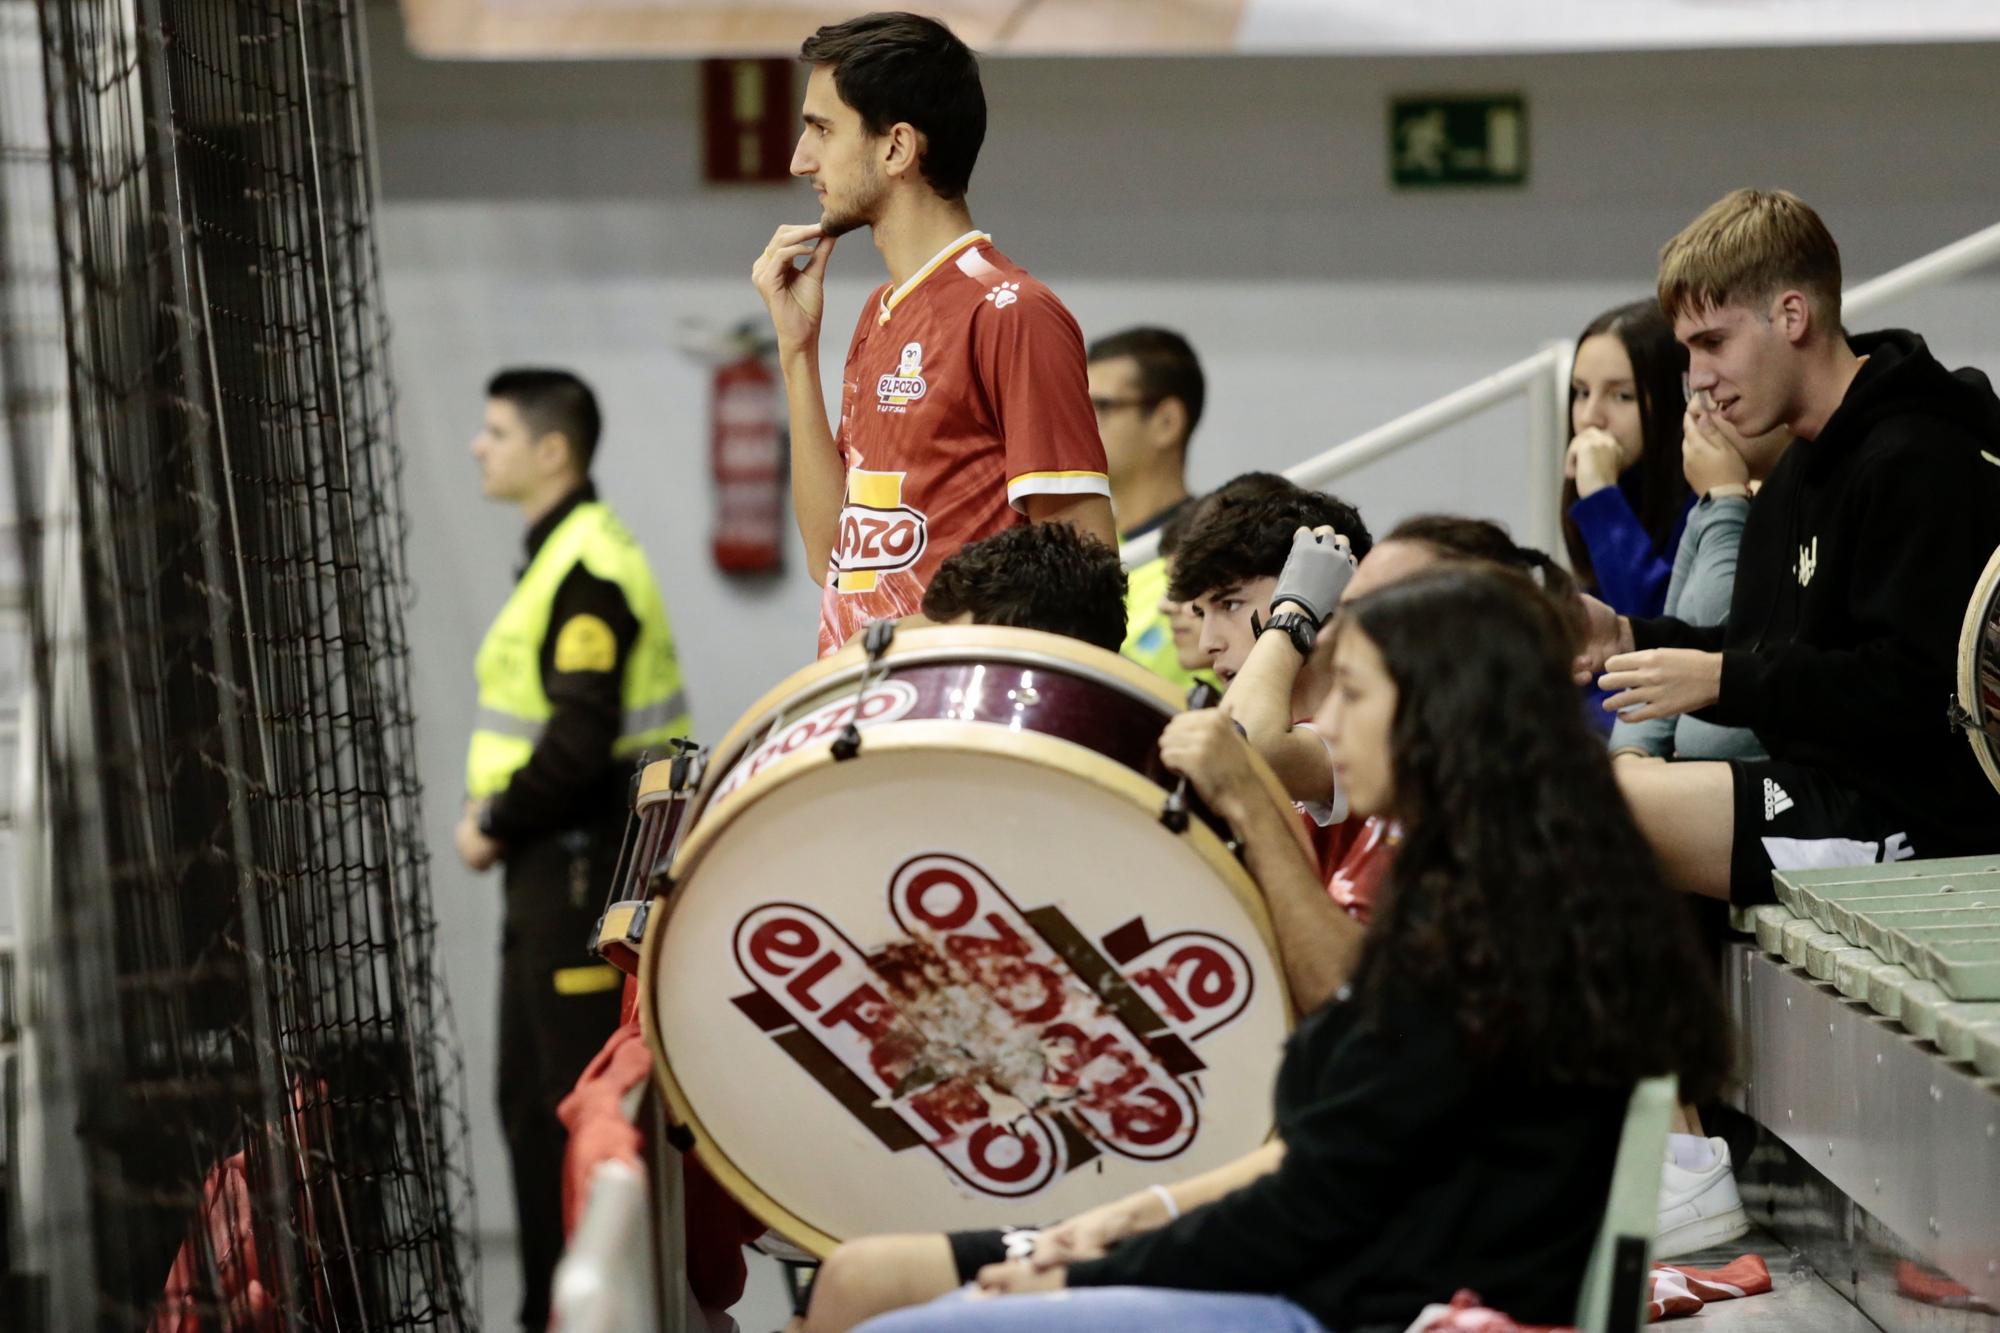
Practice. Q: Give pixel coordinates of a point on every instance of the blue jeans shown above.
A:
(1101, 1310)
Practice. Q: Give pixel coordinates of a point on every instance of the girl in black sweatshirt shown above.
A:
(1451, 1118)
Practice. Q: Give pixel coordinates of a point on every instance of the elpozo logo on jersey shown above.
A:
(878, 533)
(898, 390)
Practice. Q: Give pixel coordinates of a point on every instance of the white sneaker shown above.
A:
(1698, 1208)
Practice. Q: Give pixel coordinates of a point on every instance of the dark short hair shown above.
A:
(1243, 530)
(1168, 368)
(1045, 576)
(553, 400)
(1456, 537)
(894, 67)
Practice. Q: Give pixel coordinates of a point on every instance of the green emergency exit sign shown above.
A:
(1458, 140)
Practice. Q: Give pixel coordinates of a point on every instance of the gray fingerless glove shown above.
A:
(1314, 576)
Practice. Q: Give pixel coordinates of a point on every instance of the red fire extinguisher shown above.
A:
(748, 456)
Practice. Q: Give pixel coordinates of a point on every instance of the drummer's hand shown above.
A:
(1091, 1233)
(1018, 1277)
(478, 851)
(1204, 746)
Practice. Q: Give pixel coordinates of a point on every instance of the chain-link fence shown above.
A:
(257, 1050)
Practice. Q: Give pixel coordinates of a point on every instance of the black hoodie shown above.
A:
(1857, 563)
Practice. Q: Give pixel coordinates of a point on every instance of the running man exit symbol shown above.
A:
(1458, 140)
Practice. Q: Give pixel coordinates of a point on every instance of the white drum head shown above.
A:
(964, 980)
(1979, 670)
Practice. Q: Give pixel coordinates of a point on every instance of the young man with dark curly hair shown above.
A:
(1233, 551)
(1046, 576)
(964, 404)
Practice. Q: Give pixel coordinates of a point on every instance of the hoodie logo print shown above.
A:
(1808, 563)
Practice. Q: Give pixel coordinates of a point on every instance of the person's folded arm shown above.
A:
(1259, 700)
(1698, 599)
(1714, 535)
(1667, 632)
(1631, 575)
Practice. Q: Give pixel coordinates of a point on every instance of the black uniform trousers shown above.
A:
(556, 887)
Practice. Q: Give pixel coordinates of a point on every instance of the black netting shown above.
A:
(261, 1060)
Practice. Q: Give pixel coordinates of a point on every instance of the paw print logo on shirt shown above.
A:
(1004, 294)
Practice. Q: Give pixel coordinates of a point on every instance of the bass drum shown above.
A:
(1978, 708)
(652, 839)
(966, 977)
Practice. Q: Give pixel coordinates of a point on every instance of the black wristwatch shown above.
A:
(1298, 627)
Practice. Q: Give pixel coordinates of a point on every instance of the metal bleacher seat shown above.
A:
(1868, 1023)
(1918, 941)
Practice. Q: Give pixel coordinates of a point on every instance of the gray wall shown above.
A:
(555, 213)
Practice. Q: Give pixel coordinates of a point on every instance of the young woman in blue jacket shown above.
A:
(1624, 498)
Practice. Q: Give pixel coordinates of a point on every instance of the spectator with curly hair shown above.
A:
(1047, 577)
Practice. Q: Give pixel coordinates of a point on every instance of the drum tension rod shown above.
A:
(875, 640)
(683, 775)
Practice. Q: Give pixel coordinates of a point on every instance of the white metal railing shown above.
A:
(1544, 379)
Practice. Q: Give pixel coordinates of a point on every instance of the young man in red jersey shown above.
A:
(964, 405)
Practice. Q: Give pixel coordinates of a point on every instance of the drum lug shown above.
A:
(1957, 718)
(619, 946)
(688, 763)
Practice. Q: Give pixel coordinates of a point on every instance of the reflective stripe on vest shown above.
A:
(513, 706)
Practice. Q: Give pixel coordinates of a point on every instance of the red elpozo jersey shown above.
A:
(964, 393)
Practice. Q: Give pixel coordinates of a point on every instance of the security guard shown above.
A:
(577, 679)
(1147, 387)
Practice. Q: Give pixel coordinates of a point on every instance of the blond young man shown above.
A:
(1853, 575)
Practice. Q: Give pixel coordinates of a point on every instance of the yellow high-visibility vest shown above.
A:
(1149, 636)
(513, 708)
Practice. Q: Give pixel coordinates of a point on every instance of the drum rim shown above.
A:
(928, 643)
(1985, 598)
(927, 734)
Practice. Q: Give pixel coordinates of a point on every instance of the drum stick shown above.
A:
(875, 641)
(1174, 814)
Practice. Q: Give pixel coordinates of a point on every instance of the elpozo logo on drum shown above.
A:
(879, 534)
(1001, 1038)
(895, 392)
(887, 702)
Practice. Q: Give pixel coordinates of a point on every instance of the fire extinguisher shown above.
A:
(748, 456)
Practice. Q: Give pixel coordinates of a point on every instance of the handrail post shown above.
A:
(1548, 440)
